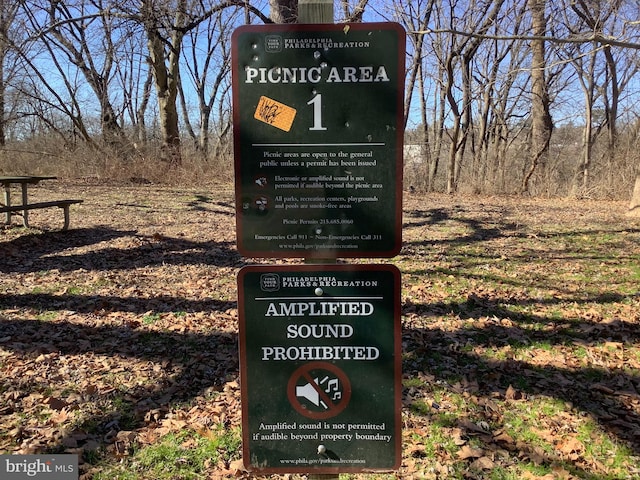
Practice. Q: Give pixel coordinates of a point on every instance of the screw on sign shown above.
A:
(319, 390)
(261, 204)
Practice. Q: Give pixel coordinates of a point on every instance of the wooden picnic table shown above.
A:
(24, 181)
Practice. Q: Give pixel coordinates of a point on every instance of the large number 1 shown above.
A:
(317, 112)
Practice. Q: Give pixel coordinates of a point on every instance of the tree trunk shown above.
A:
(541, 122)
(7, 15)
(2, 96)
(167, 91)
(634, 206)
(432, 167)
(166, 76)
(283, 11)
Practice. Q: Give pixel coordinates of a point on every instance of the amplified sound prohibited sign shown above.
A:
(319, 390)
(320, 367)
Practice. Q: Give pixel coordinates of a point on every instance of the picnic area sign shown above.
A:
(318, 131)
(320, 367)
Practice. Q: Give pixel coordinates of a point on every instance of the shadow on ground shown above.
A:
(192, 363)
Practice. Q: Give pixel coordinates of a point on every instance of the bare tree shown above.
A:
(165, 25)
(93, 66)
(498, 63)
(8, 10)
(457, 67)
(134, 81)
(51, 94)
(541, 121)
(283, 11)
(603, 74)
(353, 13)
(165, 29)
(70, 31)
(209, 75)
(499, 117)
(415, 17)
(585, 65)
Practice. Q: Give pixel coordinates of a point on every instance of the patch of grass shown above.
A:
(186, 455)
(47, 316)
(521, 382)
(438, 439)
(635, 269)
(348, 476)
(74, 291)
(581, 353)
(125, 411)
(413, 382)
(600, 445)
(522, 421)
(593, 374)
(150, 318)
(420, 407)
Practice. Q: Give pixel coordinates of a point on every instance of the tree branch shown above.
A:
(579, 38)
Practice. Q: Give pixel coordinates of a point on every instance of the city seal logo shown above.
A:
(273, 44)
(270, 282)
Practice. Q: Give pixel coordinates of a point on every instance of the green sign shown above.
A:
(320, 368)
(318, 130)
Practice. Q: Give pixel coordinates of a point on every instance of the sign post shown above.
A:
(320, 368)
(318, 133)
(318, 128)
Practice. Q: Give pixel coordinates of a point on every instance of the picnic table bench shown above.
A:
(24, 181)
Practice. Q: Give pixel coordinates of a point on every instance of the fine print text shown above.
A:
(323, 431)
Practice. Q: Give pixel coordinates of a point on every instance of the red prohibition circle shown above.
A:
(332, 408)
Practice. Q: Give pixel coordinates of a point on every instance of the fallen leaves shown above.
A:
(467, 452)
(569, 447)
(518, 335)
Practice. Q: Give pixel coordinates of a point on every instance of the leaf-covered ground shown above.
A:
(521, 336)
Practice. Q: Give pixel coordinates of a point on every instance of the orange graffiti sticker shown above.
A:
(275, 113)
